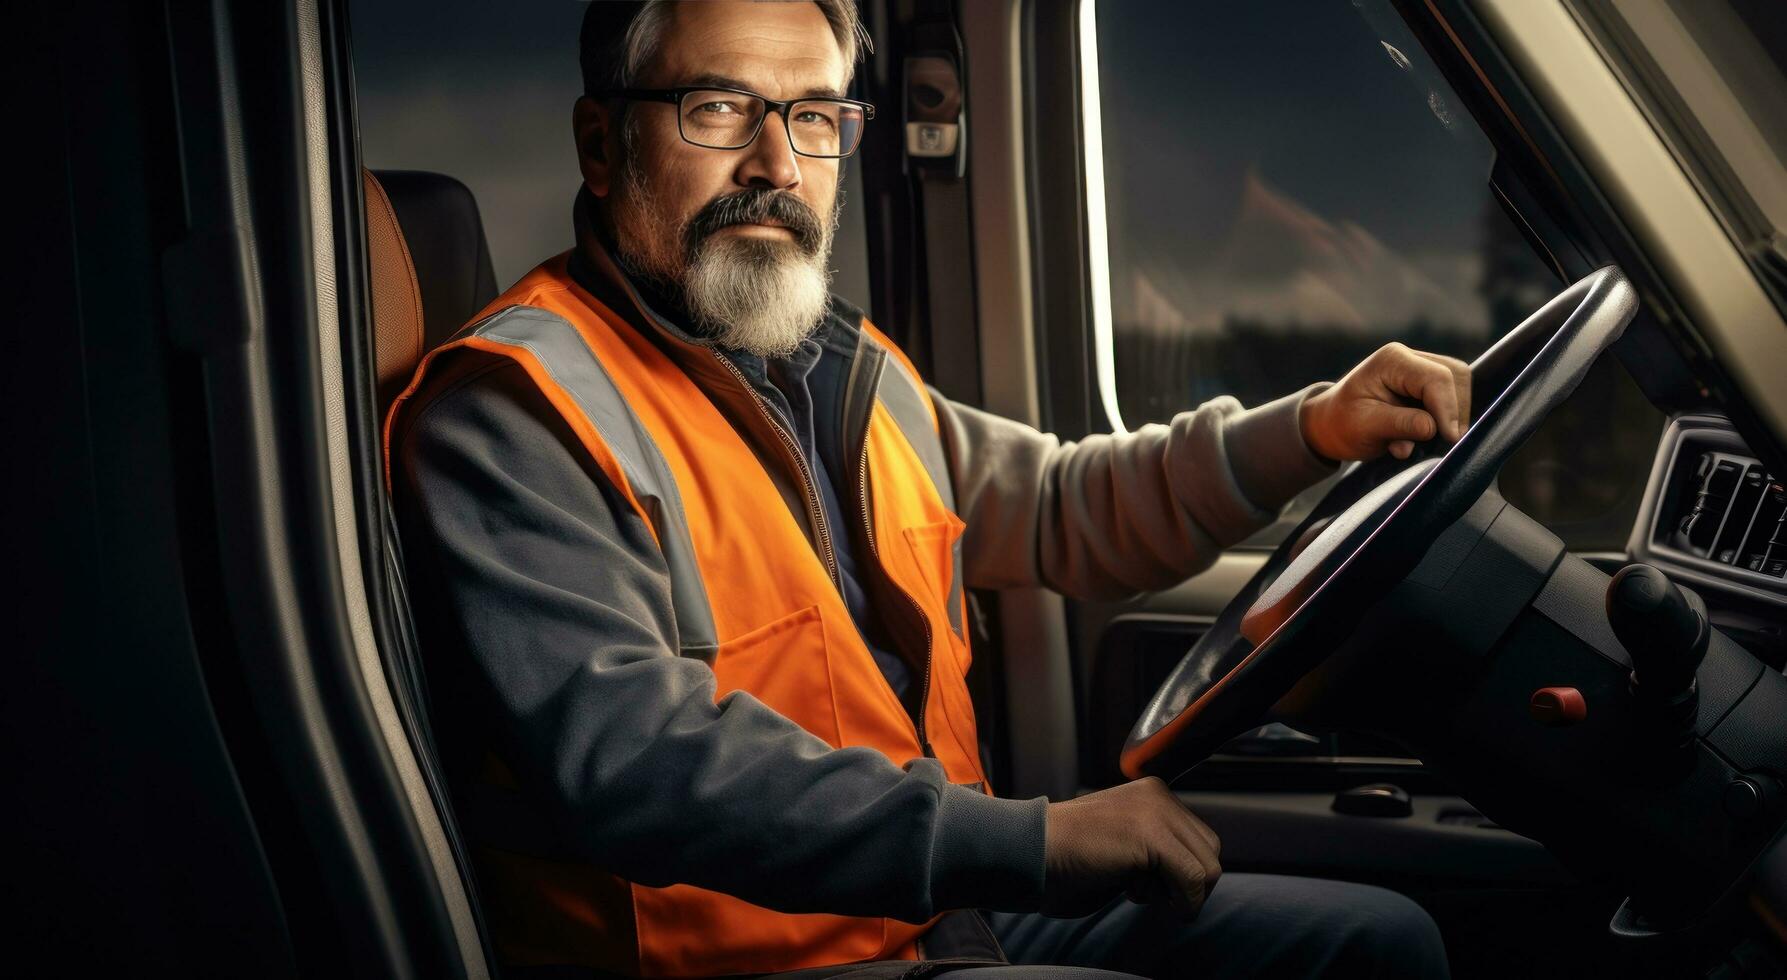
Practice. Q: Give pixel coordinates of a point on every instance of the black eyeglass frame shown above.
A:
(675, 96)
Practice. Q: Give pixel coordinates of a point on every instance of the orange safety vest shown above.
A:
(754, 599)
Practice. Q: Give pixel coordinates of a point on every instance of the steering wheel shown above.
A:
(1367, 534)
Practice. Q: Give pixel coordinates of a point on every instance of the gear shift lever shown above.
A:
(1666, 632)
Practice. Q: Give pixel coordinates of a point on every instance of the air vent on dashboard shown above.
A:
(1724, 508)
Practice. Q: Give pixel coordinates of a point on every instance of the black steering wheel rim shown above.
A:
(1225, 682)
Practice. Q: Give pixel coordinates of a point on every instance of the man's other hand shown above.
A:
(1394, 398)
(1135, 838)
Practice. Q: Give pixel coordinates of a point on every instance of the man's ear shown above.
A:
(593, 124)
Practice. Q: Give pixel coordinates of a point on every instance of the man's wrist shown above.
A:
(1310, 414)
(1269, 453)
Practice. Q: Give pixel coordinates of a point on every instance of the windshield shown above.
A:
(1270, 199)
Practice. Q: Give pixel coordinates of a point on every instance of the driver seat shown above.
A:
(430, 268)
(430, 273)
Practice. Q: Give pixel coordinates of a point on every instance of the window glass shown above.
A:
(483, 92)
(1289, 187)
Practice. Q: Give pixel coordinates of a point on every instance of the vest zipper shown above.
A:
(924, 688)
(817, 513)
(815, 510)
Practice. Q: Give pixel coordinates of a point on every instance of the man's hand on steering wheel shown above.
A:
(1393, 399)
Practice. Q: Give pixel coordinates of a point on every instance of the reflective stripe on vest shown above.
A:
(554, 344)
(752, 599)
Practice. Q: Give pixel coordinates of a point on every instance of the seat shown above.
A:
(430, 268)
(430, 273)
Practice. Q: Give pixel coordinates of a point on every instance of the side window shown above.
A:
(482, 92)
(1285, 190)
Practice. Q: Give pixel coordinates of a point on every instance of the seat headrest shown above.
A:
(398, 331)
(446, 240)
(439, 243)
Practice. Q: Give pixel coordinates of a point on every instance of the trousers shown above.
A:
(1251, 925)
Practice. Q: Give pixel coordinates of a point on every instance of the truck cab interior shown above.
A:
(1532, 679)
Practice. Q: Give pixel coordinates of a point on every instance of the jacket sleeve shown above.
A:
(556, 602)
(1113, 515)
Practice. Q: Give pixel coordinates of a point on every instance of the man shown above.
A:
(688, 541)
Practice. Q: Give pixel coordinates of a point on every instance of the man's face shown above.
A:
(742, 237)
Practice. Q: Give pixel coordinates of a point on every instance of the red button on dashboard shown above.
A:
(1557, 706)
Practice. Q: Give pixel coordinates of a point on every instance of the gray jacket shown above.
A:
(549, 637)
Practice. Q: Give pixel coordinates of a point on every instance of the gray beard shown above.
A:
(760, 297)
(763, 298)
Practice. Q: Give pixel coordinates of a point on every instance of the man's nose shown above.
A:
(770, 160)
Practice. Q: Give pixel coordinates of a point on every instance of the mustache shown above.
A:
(753, 206)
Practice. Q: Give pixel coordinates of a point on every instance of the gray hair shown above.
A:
(619, 40)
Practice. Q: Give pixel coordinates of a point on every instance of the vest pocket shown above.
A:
(785, 664)
(936, 549)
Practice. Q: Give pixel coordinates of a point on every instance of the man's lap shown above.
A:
(1251, 926)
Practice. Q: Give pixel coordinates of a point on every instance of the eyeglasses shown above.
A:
(730, 118)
